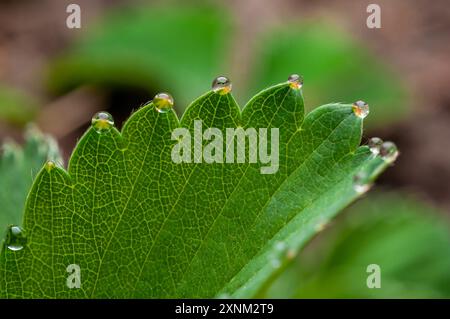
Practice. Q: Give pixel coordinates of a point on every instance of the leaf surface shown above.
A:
(140, 225)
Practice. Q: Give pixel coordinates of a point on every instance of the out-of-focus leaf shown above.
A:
(155, 48)
(335, 68)
(409, 242)
(18, 167)
(16, 107)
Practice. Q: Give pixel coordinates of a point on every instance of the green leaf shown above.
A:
(406, 238)
(335, 68)
(155, 48)
(18, 167)
(140, 225)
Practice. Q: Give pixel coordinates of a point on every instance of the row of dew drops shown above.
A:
(362, 181)
(163, 102)
(102, 122)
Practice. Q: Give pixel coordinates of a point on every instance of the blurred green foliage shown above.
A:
(180, 49)
(16, 107)
(335, 67)
(406, 238)
(18, 167)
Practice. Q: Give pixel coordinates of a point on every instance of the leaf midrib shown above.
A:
(227, 199)
(168, 216)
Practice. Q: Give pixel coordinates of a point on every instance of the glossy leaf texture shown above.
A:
(140, 225)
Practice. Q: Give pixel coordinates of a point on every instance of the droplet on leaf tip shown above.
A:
(280, 246)
(275, 263)
(221, 85)
(361, 109)
(295, 81)
(375, 145)
(50, 165)
(389, 151)
(102, 122)
(163, 102)
(361, 183)
(16, 238)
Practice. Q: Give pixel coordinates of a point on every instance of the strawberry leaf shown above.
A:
(140, 225)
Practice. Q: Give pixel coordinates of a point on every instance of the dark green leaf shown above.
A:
(139, 225)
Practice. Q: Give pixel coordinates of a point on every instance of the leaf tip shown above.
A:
(221, 85)
(361, 109)
(49, 166)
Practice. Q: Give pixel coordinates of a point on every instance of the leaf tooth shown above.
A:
(279, 106)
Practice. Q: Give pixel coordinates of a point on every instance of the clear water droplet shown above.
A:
(163, 102)
(295, 81)
(280, 246)
(50, 165)
(16, 238)
(361, 109)
(389, 151)
(375, 145)
(361, 183)
(221, 85)
(102, 122)
(276, 263)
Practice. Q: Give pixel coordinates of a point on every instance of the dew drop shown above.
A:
(389, 152)
(221, 85)
(50, 165)
(163, 102)
(375, 145)
(102, 122)
(276, 263)
(361, 109)
(295, 81)
(361, 183)
(280, 246)
(16, 239)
